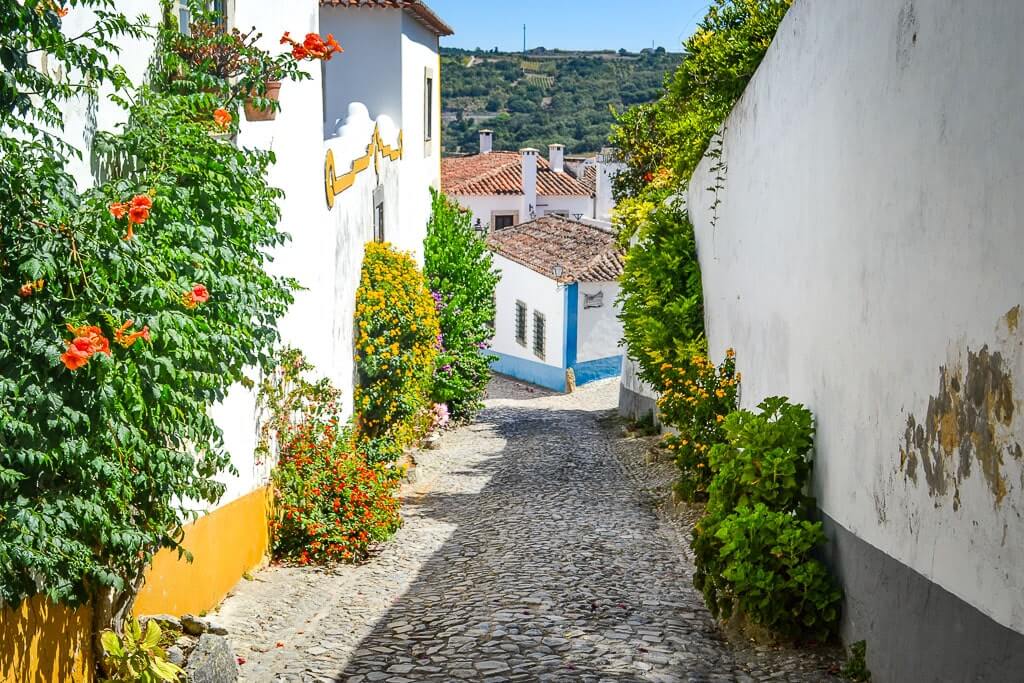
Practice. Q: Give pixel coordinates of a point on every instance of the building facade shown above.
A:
(501, 189)
(556, 320)
(357, 151)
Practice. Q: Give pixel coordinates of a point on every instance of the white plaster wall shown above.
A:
(604, 201)
(539, 293)
(551, 203)
(370, 70)
(481, 207)
(599, 330)
(869, 233)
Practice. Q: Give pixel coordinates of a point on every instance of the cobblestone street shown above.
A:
(527, 554)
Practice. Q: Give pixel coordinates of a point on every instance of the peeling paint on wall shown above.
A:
(969, 421)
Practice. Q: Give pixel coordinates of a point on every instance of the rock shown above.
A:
(216, 628)
(194, 626)
(175, 655)
(212, 661)
(164, 621)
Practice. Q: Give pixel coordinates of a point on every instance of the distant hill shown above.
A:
(545, 96)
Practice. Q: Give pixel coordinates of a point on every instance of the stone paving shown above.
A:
(527, 554)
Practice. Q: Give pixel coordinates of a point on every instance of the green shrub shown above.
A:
(769, 575)
(396, 340)
(136, 656)
(660, 293)
(331, 503)
(461, 277)
(753, 549)
(696, 398)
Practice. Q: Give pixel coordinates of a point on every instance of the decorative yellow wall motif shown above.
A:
(335, 184)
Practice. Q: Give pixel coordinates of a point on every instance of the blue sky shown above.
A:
(569, 24)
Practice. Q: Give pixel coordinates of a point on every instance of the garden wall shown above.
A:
(865, 260)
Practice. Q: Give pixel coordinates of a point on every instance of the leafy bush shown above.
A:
(331, 503)
(765, 559)
(136, 655)
(129, 308)
(460, 274)
(754, 547)
(397, 339)
(696, 398)
(660, 292)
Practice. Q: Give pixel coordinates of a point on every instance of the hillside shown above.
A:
(545, 96)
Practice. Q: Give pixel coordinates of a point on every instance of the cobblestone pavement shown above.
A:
(527, 554)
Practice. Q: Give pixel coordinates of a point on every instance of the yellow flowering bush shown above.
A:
(696, 397)
(397, 336)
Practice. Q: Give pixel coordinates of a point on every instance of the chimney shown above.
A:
(486, 141)
(556, 157)
(529, 156)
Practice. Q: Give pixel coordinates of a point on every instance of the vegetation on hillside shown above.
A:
(545, 96)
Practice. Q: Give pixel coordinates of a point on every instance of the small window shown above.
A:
(378, 222)
(428, 106)
(559, 212)
(184, 16)
(504, 220)
(538, 334)
(593, 300)
(218, 7)
(521, 323)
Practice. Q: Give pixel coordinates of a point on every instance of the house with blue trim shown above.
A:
(556, 322)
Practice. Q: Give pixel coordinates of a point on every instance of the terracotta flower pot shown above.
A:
(253, 113)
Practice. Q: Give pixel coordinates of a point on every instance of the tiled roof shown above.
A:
(585, 253)
(418, 9)
(502, 173)
(589, 178)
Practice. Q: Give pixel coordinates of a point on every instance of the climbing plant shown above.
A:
(128, 307)
(461, 276)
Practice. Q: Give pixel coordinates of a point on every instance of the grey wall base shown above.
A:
(916, 632)
(636, 406)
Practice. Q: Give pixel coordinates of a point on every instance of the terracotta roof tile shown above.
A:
(585, 253)
(501, 173)
(418, 9)
(588, 177)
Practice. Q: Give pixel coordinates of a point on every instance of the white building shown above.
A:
(357, 151)
(556, 302)
(507, 188)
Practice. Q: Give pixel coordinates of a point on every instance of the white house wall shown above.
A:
(866, 262)
(539, 293)
(599, 329)
(549, 204)
(370, 70)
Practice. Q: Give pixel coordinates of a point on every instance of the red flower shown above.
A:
(26, 290)
(195, 296)
(88, 340)
(137, 215)
(126, 339)
(142, 201)
(222, 118)
(118, 210)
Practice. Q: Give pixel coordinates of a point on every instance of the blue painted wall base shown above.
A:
(593, 370)
(529, 371)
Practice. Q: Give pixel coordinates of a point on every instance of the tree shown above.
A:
(461, 275)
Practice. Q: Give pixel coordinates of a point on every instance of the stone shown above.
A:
(175, 655)
(212, 661)
(193, 625)
(164, 621)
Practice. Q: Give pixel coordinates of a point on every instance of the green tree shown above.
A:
(461, 275)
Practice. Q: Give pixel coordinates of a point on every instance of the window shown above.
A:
(521, 323)
(378, 222)
(428, 106)
(593, 300)
(219, 7)
(538, 334)
(503, 220)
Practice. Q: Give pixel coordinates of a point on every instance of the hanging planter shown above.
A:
(254, 113)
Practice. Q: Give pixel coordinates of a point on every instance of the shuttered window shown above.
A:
(538, 334)
(521, 323)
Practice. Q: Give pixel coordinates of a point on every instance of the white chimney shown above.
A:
(529, 156)
(486, 141)
(556, 157)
